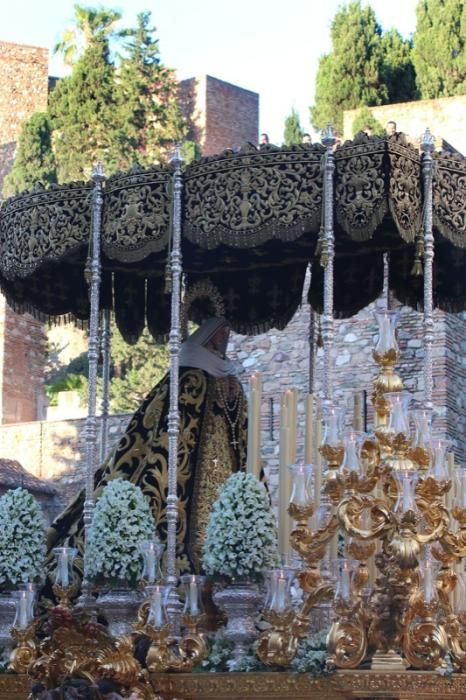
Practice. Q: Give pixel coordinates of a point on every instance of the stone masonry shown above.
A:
(282, 357)
(220, 115)
(445, 117)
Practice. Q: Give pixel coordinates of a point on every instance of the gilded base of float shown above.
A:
(342, 685)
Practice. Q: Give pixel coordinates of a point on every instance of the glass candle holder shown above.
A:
(399, 405)
(406, 501)
(23, 615)
(386, 321)
(301, 490)
(278, 596)
(428, 571)
(157, 616)
(31, 594)
(193, 594)
(151, 551)
(353, 441)
(65, 557)
(343, 570)
(422, 420)
(438, 465)
(333, 419)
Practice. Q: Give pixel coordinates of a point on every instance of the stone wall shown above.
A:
(282, 357)
(221, 115)
(55, 450)
(445, 117)
(23, 86)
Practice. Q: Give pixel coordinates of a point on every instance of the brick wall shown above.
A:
(221, 115)
(22, 344)
(445, 117)
(23, 86)
(282, 357)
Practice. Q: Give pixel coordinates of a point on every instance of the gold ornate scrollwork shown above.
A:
(347, 638)
(425, 641)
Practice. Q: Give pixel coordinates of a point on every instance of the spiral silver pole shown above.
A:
(93, 276)
(174, 347)
(105, 404)
(327, 259)
(427, 148)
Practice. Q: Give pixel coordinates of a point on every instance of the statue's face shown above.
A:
(219, 341)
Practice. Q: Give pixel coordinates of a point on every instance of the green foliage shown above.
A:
(363, 118)
(439, 52)
(293, 133)
(190, 151)
(82, 108)
(69, 382)
(311, 656)
(398, 70)
(34, 161)
(362, 68)
(146, 94)
(220, 658)
(89, 23)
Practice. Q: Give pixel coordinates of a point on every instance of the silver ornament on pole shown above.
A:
(327, 257)
(105, 405)
(427, 148)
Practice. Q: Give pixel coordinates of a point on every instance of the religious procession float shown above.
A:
(167, 577)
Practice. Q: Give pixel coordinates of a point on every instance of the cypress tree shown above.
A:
(439, 52)
(398, 70)
(34, 160)
(293, 133)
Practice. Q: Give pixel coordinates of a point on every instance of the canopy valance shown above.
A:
(251, 222)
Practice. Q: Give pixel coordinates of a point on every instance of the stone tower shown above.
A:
(23, 91)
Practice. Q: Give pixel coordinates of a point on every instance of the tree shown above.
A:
(83, 112)
(146, 94)
(439, 52)
(364, 67)
(34, 161)
(398, 72)
(293, 132)
(364, 117)
(89, 23)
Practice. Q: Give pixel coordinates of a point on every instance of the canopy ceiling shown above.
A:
(251, 221)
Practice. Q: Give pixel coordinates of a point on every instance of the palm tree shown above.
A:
(90, 23)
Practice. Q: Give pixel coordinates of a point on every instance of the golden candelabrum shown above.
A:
(399, 590)
(74, 644)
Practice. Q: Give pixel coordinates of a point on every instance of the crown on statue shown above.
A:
(201, 300)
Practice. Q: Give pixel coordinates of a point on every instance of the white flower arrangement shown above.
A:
(22, 538)
(241, 538)
(122, 520)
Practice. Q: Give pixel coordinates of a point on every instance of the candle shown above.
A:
(332, 432)
(281, 594)
(317, 466)
(156, 608)
(357, 411)
(254, 424)
(63, 568)
(23, 610)
(193, 601)
(428, 582)
(309, 425)
(345, 581)
(284, 486)
(151, 563)
(300, 493)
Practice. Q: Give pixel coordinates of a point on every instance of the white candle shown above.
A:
(63, 569)
(23, 610)
(309, 425)
(284, 486)
(428, 582)
(193, 600)
(318, 466)
(156, 609)
(151, 564)
(345, 581)
(398, 420)
(281, 595)
(254, 425)
(357, 412)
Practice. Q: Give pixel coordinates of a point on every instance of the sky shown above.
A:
(270, 47)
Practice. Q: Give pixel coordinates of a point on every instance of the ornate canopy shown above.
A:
(251, 222)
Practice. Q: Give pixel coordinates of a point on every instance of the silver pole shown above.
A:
(93, 275)
(105, 405)
(427, 148)
(327, 258)
(174, 347)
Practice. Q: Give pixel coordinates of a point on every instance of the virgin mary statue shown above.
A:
(211, 445)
